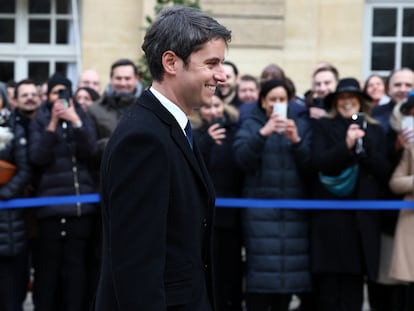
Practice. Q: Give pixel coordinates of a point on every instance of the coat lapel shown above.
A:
(182, 143)
(193, 156)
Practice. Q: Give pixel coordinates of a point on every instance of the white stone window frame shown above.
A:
(21, 52)
(398, 39)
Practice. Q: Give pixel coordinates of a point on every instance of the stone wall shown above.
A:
(295, 34)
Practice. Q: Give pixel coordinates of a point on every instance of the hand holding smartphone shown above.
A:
(281, 110)
(407, 127)
(407, 122)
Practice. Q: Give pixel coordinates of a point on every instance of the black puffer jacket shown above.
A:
(276, 240)
(63, 159)
(12, 225)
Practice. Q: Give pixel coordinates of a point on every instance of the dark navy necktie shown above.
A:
(189, 134)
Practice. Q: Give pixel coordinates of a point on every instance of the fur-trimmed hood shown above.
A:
(396, 117)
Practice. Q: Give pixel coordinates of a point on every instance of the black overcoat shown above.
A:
(158, 205)
(347, 241)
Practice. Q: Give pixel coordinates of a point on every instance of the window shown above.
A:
(6, 70)
(38, 38)
(389, 36)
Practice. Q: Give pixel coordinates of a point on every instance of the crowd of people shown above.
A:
(344, 139)
(55, 145)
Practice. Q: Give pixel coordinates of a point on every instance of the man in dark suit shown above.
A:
(157, 198)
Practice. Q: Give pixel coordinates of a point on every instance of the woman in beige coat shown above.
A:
(402, 182)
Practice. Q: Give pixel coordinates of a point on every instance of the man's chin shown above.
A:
(29, 110)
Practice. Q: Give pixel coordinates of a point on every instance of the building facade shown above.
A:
(39, 37)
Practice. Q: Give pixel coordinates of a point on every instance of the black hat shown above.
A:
(59, 79)
(346, 85)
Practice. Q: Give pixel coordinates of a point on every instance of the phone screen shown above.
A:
(280, 109)
(64, 96)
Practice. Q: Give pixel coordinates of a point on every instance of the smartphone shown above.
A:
(219, 121)
(281, 110)
(317, 103)
(64, 95)
(407, 122)
(359, 118)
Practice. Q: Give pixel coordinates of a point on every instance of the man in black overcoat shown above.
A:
(158, 201)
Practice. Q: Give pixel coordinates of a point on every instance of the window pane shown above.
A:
(7, 6)
(6, 71)
(383, 55)
(62, 68)
(39, 31)
(407, 58)
(39, 71)
(385, 22)
(39, 6)
(63, 7)
(408, 24)
(62, 31)
(7, 30)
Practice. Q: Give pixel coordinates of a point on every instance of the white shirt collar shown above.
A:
(178, 114)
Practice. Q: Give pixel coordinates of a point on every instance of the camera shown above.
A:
(317, 103)
(359, 118)
(64, 95)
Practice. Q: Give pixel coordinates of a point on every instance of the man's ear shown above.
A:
(169, 62)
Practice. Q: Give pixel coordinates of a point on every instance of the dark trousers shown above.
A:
(61, 274)
(339, 292)
(268, 302)
(94, 258)
(389, 297)
(228, 269)
(22, 279)
(409, 297)
(307, 301)
(10, 291)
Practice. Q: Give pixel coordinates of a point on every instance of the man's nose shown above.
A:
(220, 74)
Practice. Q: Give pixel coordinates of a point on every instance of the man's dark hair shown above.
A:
(232, 65)
(22, 82)
(182, 30)
(124, 62)
(247, 77)
(327, 68)
(11, 83)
